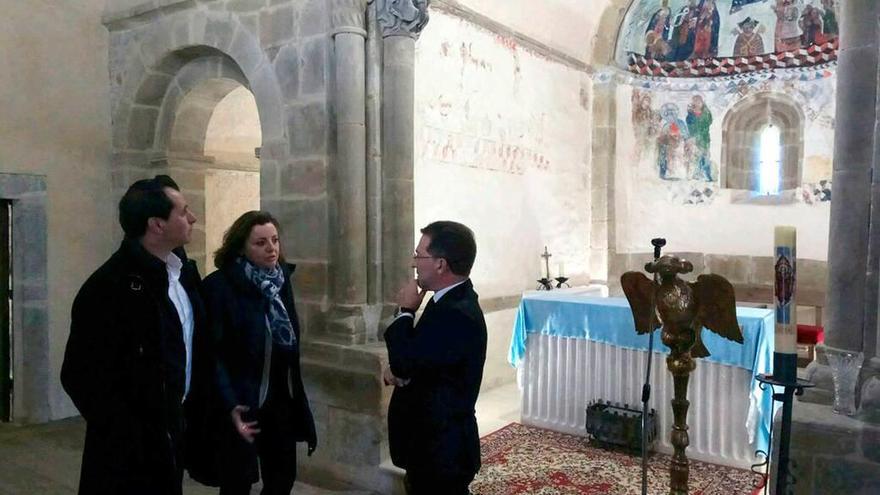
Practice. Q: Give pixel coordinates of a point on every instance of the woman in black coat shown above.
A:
(263, 408)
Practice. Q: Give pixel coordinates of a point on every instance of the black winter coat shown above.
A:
(237, 321)
(125, 369)
(432, 427)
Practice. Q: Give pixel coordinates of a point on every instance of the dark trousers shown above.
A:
(433, 484)
(274, 447)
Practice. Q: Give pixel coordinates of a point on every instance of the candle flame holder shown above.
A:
(561, 282)
(545, 284)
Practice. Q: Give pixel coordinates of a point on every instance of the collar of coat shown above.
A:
(148, 265)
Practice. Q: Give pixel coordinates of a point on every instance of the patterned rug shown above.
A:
(520, 459)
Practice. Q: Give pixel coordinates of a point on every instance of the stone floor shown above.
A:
(45, 459)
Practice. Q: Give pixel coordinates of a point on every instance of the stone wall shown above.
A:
(832, 453)
(56, 125)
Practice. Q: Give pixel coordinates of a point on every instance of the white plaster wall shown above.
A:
(54, 92)
(648, 207)
(502, 145)
(234, 129)
(569, 26)
(228, 194)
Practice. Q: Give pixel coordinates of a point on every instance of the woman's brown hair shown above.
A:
(237, 235)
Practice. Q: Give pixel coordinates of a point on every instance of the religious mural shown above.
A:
(672, 32)
(677, 126)
(680, 137)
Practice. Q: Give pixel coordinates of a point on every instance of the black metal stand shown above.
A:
(561, 282)
(646, 396)
(545, 284)
(789, 389)
(658, 244)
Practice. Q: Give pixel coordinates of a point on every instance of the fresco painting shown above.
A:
(679, 30)
(681, 138)
(676, 133)
(748, 39)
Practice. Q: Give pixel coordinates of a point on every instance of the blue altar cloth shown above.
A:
(609, 320)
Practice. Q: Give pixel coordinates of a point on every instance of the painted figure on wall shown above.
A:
(673, 134)
(657, 34)
(811, 27)
(829, 20)
(699, 120)
(707, 27)
(788, 33)
(684, 31)
(643, 116)
(645, 121)
(748, 40)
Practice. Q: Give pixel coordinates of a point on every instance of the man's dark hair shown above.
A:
(453, 242)
(145, 199)
(235, 238)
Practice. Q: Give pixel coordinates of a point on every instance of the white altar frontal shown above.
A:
(572, 348)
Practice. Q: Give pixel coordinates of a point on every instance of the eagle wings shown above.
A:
(713, 305)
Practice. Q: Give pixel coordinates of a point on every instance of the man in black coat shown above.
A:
(437, 366)
(129, 361)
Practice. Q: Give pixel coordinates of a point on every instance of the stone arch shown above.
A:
(189, 103)
(173, 54)
(171, 74)
(611, 21)
(740, 140)
(604, 141)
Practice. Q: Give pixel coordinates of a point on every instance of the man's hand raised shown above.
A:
(410, 296)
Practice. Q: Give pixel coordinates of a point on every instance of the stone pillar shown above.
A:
(602, 230)
(401, 22)
(854, 247)
(349, 252)
(853, 162)
(374, 155)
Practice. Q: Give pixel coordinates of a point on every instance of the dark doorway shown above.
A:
(5, 311)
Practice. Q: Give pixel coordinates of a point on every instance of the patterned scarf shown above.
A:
(270, 281)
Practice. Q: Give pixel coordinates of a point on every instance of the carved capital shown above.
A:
(402, 17)
(348, 16)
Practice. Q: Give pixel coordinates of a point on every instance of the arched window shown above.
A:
(762, 145)
(770, 159)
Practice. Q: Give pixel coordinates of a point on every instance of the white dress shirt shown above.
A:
(181, 301)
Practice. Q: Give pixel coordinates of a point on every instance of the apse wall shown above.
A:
(662, 190)
(502, 145)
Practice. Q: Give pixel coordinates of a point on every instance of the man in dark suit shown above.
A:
(436, 366)
(129, 360)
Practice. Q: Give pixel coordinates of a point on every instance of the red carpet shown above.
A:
(520, 459)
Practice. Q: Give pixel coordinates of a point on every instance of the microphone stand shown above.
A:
(646, 388)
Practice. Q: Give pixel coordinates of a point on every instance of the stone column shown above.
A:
(602, 229)
(401, 22)
(374, 155)
(852, 253)
(853, 162)
(349, 252)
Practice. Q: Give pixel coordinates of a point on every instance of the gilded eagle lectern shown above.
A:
(683, 309)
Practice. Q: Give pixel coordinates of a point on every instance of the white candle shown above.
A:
(785, 268)
(561, 269)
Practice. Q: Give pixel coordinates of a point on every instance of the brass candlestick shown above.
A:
(683, 309)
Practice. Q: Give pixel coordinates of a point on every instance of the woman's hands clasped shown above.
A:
(248, 430)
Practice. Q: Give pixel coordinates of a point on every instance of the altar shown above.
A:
(573, 347)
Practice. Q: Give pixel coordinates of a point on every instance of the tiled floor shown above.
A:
(45, 459)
